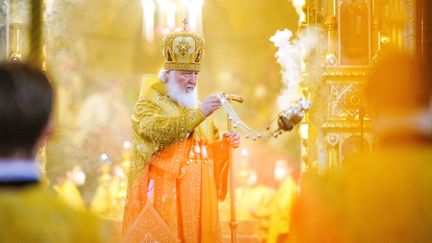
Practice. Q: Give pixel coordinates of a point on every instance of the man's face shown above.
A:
(187, 80)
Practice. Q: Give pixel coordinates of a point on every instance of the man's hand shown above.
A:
(234, 138)
(210, 104)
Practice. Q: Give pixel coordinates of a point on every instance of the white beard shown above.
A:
(188, 100)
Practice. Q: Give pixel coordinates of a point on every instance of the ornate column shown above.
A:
(376, 32)
(19, 12)
(4, 23)
(330, 11)
(409, 28)
(36, 30)
(424, 30)
(16, 38)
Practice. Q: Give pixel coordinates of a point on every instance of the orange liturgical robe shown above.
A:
(178, 174)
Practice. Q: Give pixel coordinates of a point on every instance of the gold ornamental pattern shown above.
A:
(183, 47)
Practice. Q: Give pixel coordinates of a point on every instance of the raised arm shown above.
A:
(155, 125)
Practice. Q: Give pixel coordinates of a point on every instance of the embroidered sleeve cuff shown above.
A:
(194, 118)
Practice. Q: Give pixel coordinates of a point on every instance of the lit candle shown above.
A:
(379, 40)
(195, 15)
(304, 131)
(325, 8)
(127, 146)
(334, 7)
(199, 16)
(171, 15)
(161, 14)
(148, 8)
(192, 17)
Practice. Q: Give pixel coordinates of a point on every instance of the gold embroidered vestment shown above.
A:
(178, 173)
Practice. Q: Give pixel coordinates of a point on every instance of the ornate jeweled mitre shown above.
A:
(183, 50)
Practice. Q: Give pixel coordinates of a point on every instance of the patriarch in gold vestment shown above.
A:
(180, 162)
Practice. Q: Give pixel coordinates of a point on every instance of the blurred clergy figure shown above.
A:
(385, 195)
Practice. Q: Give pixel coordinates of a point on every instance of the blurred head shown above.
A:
(282, 170)
(76, 175)
(26, 101)
(398, 96)
(181, 87)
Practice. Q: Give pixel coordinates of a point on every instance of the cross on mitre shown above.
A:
(185, 24)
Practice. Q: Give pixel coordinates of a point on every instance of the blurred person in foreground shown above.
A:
(29, 212)
(179, 170)
(385, 195)
(280, 224)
